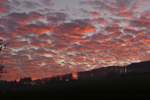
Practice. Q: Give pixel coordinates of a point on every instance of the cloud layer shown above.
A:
(46, 38)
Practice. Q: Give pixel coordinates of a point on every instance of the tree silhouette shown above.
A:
(2, 45)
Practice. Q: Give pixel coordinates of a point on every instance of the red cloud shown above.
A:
(71, 32)
(40, 30)
(24, 30)
(95, 13)
(24, 19)
(3, 1)
(73, 29)
(3, 10)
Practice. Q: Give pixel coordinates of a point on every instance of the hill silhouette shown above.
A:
(109, 80)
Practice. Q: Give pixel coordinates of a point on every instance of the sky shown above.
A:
(47, 38)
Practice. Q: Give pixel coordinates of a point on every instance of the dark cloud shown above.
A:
(56, 18)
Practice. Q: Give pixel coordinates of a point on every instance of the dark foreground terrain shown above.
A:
(135, 79)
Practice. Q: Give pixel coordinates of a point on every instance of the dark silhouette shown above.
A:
(97, 82)
(2, 44)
